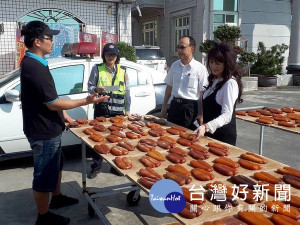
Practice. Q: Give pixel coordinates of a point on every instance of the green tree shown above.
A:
(269, 62)
(206, 46)
(128, 51)
(223, 33)
(245, 59)
(227, 34)
(230, 34)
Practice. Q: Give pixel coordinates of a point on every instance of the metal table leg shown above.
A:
(96, 210)
(83, 159)
(261, 139)
(133, 196)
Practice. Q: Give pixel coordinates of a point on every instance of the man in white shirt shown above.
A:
(185, 81)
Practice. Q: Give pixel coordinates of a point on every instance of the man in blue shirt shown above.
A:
(44, 121)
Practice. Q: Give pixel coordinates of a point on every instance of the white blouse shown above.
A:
(226, 97)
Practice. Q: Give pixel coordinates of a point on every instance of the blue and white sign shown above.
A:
(166, 197)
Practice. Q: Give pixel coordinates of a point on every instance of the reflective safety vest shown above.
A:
(116, 102)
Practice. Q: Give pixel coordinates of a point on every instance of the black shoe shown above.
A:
(60, 201)
(114, 171)
(93, 173)
(50, 219)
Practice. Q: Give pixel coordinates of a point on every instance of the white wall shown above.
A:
(268, 21)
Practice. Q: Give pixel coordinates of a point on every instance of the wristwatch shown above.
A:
(206, 127)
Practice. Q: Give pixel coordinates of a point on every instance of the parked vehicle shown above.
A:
(151, 56)
(146, 91)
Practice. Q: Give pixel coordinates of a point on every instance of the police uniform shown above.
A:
(101, 75)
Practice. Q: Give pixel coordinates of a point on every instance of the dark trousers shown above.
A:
(183, 112)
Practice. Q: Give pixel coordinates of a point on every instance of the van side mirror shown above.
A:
(12, 95)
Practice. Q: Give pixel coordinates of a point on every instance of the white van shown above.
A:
(151, 56)
(145, 89)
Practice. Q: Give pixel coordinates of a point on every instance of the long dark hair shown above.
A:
(225, 53)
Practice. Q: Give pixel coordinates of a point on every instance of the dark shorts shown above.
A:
(48, 162)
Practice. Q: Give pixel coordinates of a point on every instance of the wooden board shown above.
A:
(133, 175)
(251, 119)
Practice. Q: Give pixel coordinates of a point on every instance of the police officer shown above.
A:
(109, 73)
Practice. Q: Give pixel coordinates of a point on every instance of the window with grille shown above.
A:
(182, 28)
(225, 12)
(150, 33)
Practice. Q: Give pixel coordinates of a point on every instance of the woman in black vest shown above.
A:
(221, 95)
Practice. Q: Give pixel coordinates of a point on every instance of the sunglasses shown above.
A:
(181, 47)
(47, 38)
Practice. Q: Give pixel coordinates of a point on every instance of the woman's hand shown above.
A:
(200, 131)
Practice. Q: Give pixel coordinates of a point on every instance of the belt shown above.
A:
(183, 101)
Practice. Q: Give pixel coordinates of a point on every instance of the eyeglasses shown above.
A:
(181, 47)
(47, 38)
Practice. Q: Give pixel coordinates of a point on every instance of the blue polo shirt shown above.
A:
(38, 90)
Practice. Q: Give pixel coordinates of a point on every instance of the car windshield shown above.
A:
(9, 77)
(148, 54)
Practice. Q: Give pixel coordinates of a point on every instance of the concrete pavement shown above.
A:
(16, 202)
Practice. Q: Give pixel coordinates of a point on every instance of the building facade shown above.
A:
(268, 21)
(90, 16)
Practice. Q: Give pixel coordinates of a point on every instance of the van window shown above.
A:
(136, 77)
(18, 88)
(68, 79)
(132, 76)
(149, 54)
(142, 78)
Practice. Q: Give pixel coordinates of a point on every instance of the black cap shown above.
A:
(36, 29)
(110, 48)
(48, 31)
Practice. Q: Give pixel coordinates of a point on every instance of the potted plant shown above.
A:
(268, 64)
(228, 34)
(206, 46)
(224, 33)
(246, 59)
